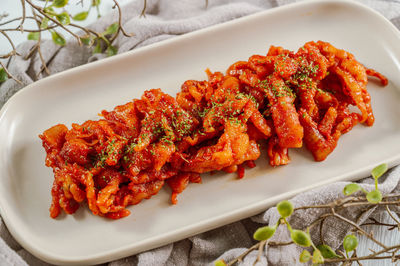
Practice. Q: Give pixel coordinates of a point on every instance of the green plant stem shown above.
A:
(287, 224)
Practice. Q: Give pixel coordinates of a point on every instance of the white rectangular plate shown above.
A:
(79, 94)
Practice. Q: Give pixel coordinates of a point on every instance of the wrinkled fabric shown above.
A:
(166, 19)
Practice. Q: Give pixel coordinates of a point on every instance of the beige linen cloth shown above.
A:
(166, 19)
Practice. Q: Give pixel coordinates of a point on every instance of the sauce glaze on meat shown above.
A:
(282, 100)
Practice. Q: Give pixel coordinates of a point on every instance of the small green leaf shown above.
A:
(111, 50)
(264, 233)
(34, 36)
(3, 75)
(113, 28)
(285, 208)
(220, 263)
(63, 18)
(45, 23)
(317, 257)
(49, 11)
(95, 2)
(97, 48)
(301, 238)
(59, 3)
(81, 16)
(327, 252)
(87, 40)
(351, 188)
(374, 196)
(305, 256)
(350, 243)
(58, 38)
(379, 170)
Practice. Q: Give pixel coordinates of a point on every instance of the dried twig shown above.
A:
(15, 19)
(393, 252)
(143, 13)
(392, 216)
(40, 10)
(42, 15)
(14, 50)
(44, 65)
(356, 226)
(120, 28)
(9, 74)
(375, 222)
(21, 24)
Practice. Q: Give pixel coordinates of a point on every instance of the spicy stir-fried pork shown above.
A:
(283, 99)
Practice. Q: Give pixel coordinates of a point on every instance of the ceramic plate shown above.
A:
(80, 93)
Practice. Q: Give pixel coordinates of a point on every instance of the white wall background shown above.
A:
(14, 9)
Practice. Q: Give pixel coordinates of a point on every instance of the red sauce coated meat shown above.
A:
(283, 99)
